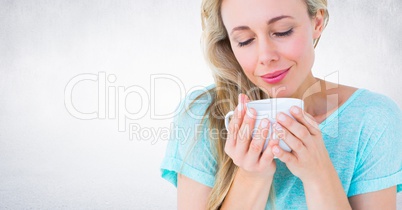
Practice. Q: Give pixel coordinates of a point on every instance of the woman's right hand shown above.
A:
(247, 151)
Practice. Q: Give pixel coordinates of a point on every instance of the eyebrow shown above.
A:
(272, 20)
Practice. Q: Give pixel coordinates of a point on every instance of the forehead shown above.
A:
(249, 12)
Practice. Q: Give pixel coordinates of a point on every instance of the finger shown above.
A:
(315, 125)
(286, 157)
(236, 120)
(258, 141)
(267, 156)
(245, 132)
(306, 119)
(297, 129)
(234, 125)
(294, 143)
(246, 99)
(273, 140)
(232, 133)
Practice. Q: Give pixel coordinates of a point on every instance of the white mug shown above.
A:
(269, 108)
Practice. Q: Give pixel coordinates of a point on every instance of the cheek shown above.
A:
(247, 59)
(299, 49)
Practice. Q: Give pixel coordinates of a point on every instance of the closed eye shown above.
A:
(241, 44)
(283, 34)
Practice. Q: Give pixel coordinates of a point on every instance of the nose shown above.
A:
(267, 52)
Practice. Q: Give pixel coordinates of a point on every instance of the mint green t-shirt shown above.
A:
(363, 138)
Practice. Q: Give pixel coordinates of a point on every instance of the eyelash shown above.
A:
(287, 33)
(242, 44)
(283, 34)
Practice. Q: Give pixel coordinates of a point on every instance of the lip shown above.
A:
(275, 77)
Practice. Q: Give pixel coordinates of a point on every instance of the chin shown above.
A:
(278, 91)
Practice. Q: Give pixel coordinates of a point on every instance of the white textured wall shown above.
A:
(50, 159)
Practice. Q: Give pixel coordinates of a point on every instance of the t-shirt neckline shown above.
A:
(340, 109)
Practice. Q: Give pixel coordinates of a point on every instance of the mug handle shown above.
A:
(229, 114)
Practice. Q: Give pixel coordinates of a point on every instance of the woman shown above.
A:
(345, 149)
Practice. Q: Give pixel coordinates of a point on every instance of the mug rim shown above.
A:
(278, 100)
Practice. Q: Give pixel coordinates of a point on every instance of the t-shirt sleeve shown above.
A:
(379, 160)
(189, 150)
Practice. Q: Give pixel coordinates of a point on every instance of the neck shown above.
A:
(312, 92)
(310, 87)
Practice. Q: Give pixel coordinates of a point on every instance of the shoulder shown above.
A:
(363, 101)
(192, 109)
(196, 103)
(374, 114)
(189, 150)
(189, 127)
(368, 113)
(377, 106)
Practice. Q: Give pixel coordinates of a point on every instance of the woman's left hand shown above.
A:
(309, 157)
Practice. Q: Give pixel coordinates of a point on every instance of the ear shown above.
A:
(318, 24)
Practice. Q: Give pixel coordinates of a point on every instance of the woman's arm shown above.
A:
(256, 168)
(310, 161)
(330, 195)
(326, 192)
(382, 199)
(191, 194)
(247, 192)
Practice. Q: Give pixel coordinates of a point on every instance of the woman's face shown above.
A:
(273, 42)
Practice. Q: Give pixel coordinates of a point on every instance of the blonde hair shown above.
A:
(230, 81)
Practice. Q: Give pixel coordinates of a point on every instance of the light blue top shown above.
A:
(363, 138)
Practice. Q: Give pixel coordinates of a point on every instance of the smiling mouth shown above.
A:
(275, 77)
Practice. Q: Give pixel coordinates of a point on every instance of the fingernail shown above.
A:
(264, 123)
(295, 110)
(251, 113)
(246, 99)
(277, 131)
(277, 126)
(275, 150)
(278, 136)
(281, 117)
